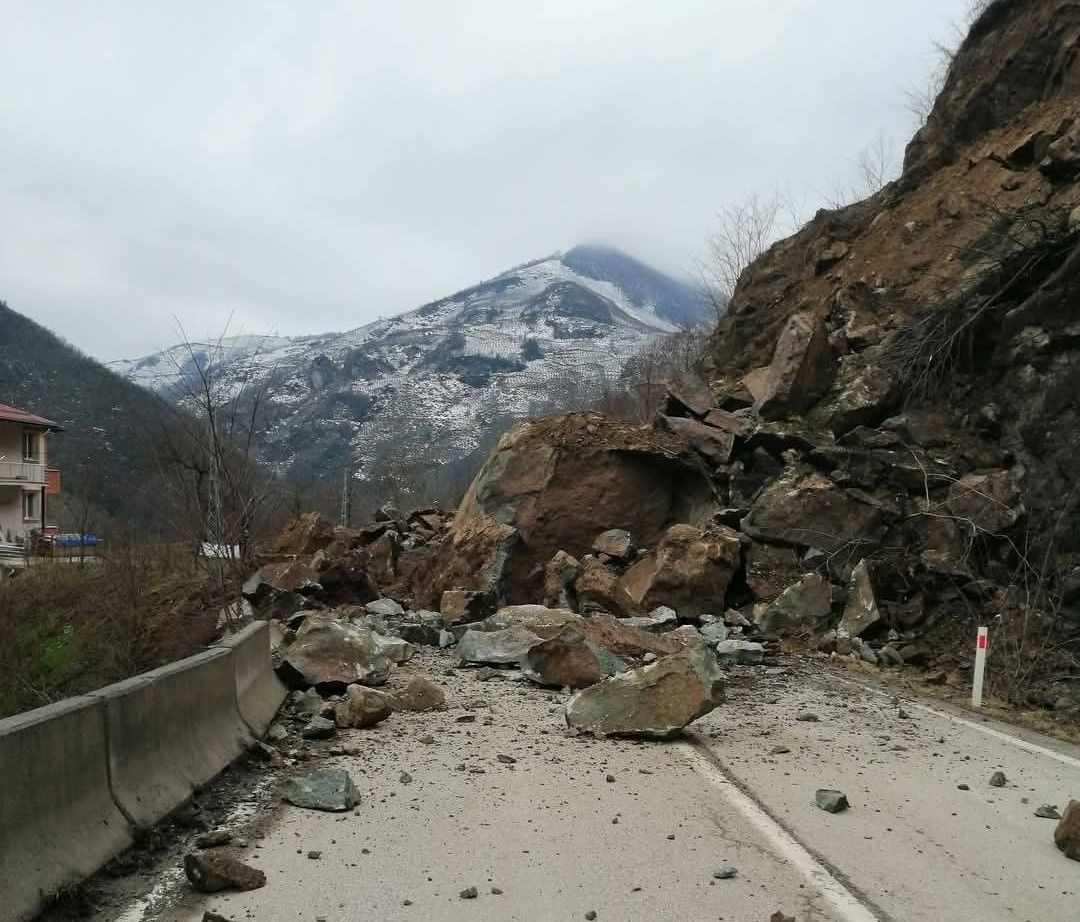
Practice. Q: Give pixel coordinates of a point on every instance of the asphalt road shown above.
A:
(560, 840)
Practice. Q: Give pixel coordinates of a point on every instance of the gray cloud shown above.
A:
(309, 167)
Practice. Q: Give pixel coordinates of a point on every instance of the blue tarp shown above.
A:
(76, 540)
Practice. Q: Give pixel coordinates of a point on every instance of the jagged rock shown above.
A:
(382, 559)
(737, 425)
(306, 534)
(559, 576)
(330, 655)
(319, 728)
(687, 393)
(329, 789)
(652, 701)
(569, 661)
(831, 801)
(552, 484)
(419, 695)
(211, 873)
(714, 630)
(741, 652)
(362, 707)
(802, 368)
(809, 510)
(385, 608)
(615, 542)
(689, 571)
(714, 444)
(495, 648)
(862, 612)
(462, 606)
(622, 639)
(890, 656)
(998, 780)
(421, 633)
(799, 608)
(544, 622)
(1067, 833)
(288, 576)
(599, 589)
(395, 649)
(657, 621)
(989, 502)
(862, 396)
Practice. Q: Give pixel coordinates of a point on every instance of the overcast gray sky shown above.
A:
(310, 166)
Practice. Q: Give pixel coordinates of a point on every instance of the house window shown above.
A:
(31, 506)
(30, 446)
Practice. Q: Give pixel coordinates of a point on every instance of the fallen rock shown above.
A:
(559, 576)
(543, 621)
(319, 728)
(599, 589)
(615, 542)
(214, 838)
(861, 612)
(725, 872)
(210, 873)
(742, 652)
(714, 630)
(800, 608)
(396, 649)
(569, 661)
(998, 780)
(385, 608)
(362, 707)
(1047, 812)
(831, 801)
(623, 639)
(1067, 834)
(658, 620)
(654, 701)
(462, 606)
(496, 648)
(988, 503)
(687, 393)
(329, 789)
(331, 654)
(419, 695)
(810, 510)
(690, 570)
(714, 444)
(802, 368)
(306, 534)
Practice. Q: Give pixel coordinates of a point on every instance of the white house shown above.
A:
(25, 479)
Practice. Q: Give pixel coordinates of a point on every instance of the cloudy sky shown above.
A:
(309, 166)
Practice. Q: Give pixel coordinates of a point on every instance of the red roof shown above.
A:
(11, 414)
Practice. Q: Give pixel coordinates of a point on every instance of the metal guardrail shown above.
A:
(22, 471)
(12, 556)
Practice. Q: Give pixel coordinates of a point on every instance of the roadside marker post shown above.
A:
(980, 668)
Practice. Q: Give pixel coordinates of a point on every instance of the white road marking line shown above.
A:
(989, 731)
(847, 906)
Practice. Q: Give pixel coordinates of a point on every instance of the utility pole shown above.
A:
(346, 496)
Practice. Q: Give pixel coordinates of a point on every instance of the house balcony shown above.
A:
(26, 473)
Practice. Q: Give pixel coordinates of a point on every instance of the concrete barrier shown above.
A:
(259, 692)
(170, 731)
(58, 822)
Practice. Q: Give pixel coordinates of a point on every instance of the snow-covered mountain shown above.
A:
(427, 386)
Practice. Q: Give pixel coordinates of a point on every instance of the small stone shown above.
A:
(319, 728)
(671, 838)
(497, 891)
(779, 751)
(963, 787)
(505, 759)
(903, 715)
(725, 872)
(405, 778)
(209, 916)
(1048, 812)
(212, 872)
(780, 916)
(591, 914)
(314, 854)
(427, 739)
(807, 717)
(215, 838)
(610, 779)
(831, 801)
(998, 780)
(469, 893)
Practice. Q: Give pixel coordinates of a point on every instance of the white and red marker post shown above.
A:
(980, 667)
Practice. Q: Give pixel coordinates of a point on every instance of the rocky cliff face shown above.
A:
(889, 414)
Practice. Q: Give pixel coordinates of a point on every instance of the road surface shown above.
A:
(557, 839)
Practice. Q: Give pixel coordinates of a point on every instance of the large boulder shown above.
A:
(306, 534)
(770, 570)
(800, 608)
(569, 661)
(624, 639)
(599, 589)
(802, 368)
(496, 648)
(559, 576)
(552, 485)
(329, 655)
(1067, 833)
(714, 444)
(284, 576)
(986, 503)
(419, 695)
(861, 612)
(654, 701)
(809, 510)
(362, 707)
(690, 570)
(542, 621)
